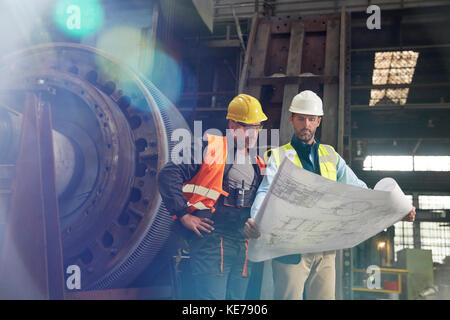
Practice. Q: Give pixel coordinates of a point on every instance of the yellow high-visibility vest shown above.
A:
(327, 159)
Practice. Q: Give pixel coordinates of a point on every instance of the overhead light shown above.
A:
(381, 245)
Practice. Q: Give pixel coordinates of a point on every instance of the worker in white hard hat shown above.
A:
(311, 275)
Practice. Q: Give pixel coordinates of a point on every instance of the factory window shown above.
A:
(407, 163)
(431, 163)
(395, 67)
(403, 236)
(394, 163)
(435, 236)
(434, 202)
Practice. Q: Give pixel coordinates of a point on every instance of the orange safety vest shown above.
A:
(205, 188)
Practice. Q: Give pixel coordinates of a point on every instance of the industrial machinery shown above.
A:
(111, 134)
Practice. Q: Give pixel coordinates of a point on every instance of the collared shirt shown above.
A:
(344, 173)
(308, 154)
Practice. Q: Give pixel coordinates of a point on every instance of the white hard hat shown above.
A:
(307, 102)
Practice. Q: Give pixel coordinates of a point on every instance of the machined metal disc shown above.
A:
(112, 132)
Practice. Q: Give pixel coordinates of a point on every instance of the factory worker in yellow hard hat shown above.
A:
(211, 202)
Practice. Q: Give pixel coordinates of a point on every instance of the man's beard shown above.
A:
(304, 135)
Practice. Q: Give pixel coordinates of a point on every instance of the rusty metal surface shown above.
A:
(312, 63)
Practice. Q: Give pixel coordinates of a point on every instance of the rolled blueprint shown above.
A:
(397, 195)
(303, 212)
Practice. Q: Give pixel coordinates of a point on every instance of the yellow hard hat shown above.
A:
(246, 109)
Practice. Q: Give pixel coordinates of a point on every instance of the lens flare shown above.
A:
(78, 18)
(124, 43)
(167, 74)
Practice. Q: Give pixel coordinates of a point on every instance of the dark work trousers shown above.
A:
(219, 267)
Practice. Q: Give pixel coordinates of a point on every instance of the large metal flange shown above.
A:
(117, 125)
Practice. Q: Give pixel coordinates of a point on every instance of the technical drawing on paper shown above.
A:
(288, 190)
(304, 212)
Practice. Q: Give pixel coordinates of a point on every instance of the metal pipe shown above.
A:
(328, 9)
(332, 3)
(238, 29)
(256, 3)
(251, 40)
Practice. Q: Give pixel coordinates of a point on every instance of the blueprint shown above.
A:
(304, 212)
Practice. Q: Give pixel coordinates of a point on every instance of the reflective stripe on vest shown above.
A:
(205, 188)
(209, 193)
(197, 206)
(327, 159)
